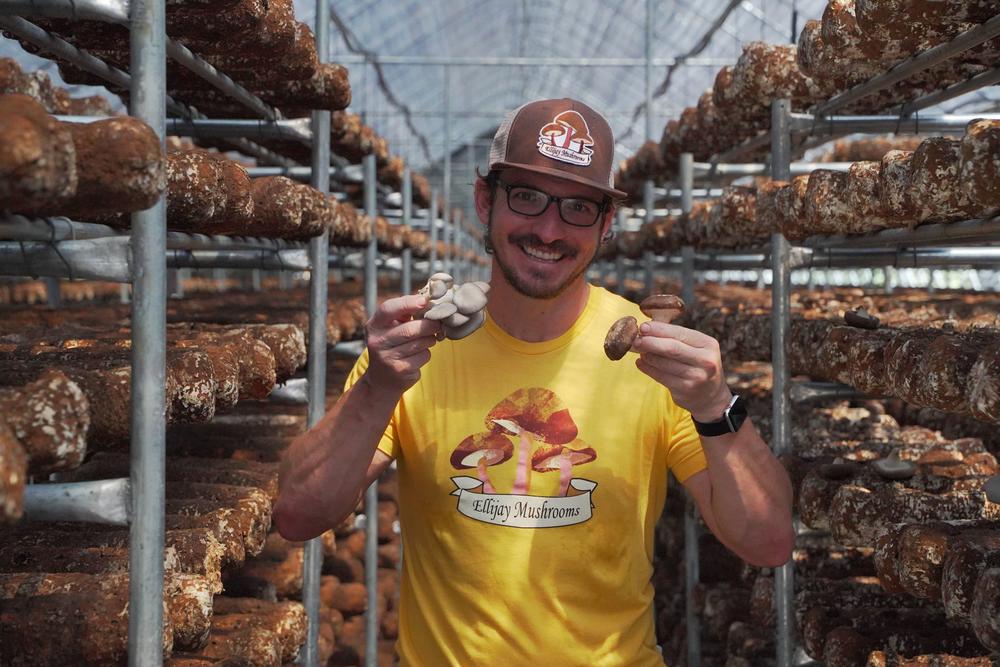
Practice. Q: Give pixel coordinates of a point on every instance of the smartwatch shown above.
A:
(732, 419)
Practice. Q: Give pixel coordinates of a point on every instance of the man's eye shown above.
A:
(525, 195)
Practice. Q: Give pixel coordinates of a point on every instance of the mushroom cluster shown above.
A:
(459, 308)
(658, 307)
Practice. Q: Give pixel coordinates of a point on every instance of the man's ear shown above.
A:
(484, 200)
(608, 220)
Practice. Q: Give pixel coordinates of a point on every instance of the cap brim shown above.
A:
(566, 176)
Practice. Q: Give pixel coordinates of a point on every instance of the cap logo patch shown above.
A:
(567, 139)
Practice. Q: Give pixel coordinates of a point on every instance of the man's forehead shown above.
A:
(551, 184)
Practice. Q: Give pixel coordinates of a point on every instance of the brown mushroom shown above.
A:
(620, 337)
(562, 458)
(531, 414)
(662, 307)
(480, 451)
(861, 318)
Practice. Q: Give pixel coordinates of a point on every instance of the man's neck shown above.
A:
(535, 320)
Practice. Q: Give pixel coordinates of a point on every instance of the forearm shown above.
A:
(751, 495)
(324, 469)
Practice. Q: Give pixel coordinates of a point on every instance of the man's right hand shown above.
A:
(398, 345)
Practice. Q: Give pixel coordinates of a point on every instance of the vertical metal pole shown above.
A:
(648, 258)
(371, 494)
(686, 172)
(319, 266)
(620, 270)
(255, 280)
(433, 230)
(149, 334)
(784, 586)
(449, 237)
(52, 295)
(692, 565)
(406, 285)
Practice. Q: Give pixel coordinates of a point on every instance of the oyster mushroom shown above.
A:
(481, 451)
(459, 308)
(892, 467)
(562, 458)
(620, 337)
(662, 307)
(533, 414)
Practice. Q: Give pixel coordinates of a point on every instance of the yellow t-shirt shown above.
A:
(561, 572)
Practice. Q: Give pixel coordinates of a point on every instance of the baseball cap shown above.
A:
(564, 138)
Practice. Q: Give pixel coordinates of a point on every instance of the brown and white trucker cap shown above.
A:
(562, 138)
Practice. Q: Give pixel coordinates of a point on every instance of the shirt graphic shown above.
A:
(539, 426)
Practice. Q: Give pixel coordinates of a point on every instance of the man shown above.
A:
(532, 469)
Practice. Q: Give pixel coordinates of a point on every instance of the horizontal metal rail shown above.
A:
(756, 169)
(965, 231)
(809, 125)
(981, 80)
(802, 392)
(915, 65)
(106, 501)
(110, 259)
(525, 61)
(295, 129)
(112, 11)
(24, 228)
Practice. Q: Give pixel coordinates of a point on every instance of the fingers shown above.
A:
(706, 358)
(679, 333)
(411, 347)
(408, 331)
(398, 309)
(670, 368)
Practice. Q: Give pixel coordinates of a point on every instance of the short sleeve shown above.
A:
(389, 443)
(685, 455)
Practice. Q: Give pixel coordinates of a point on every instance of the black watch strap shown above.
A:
(732, 419)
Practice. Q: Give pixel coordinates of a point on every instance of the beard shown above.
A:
(535, 286)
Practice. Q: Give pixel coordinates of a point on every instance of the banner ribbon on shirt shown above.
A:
(521, 511)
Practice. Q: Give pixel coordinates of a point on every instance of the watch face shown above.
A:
(738, 408)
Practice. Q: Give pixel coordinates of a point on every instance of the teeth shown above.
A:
(539, 254)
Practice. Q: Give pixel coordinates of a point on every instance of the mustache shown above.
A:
(560, 247)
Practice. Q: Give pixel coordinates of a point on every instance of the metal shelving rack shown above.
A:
(61, 248)
(795, 131)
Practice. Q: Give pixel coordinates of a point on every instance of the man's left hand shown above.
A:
(688, 363)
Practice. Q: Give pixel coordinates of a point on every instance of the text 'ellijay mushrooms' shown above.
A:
(480, 451)
(461, 309)
(659, 307)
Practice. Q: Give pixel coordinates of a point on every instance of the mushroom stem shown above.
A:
(565, 467)
(521, 481)
(483, 477)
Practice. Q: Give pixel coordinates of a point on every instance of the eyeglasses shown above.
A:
(575, 211)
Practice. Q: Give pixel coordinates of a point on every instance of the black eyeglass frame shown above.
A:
(601, 206)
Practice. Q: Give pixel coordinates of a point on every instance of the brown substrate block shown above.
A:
(120, 168)
(966, 560)
(42, 547)
(284, 575)
(37, 157)
(13, 475)
(49, 418)
(263, 476)
(286, 619)
(69, 628)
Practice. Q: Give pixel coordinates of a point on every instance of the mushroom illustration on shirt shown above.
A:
(546, 440)
(480, 451)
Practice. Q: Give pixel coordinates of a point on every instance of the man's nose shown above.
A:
(549, 226)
